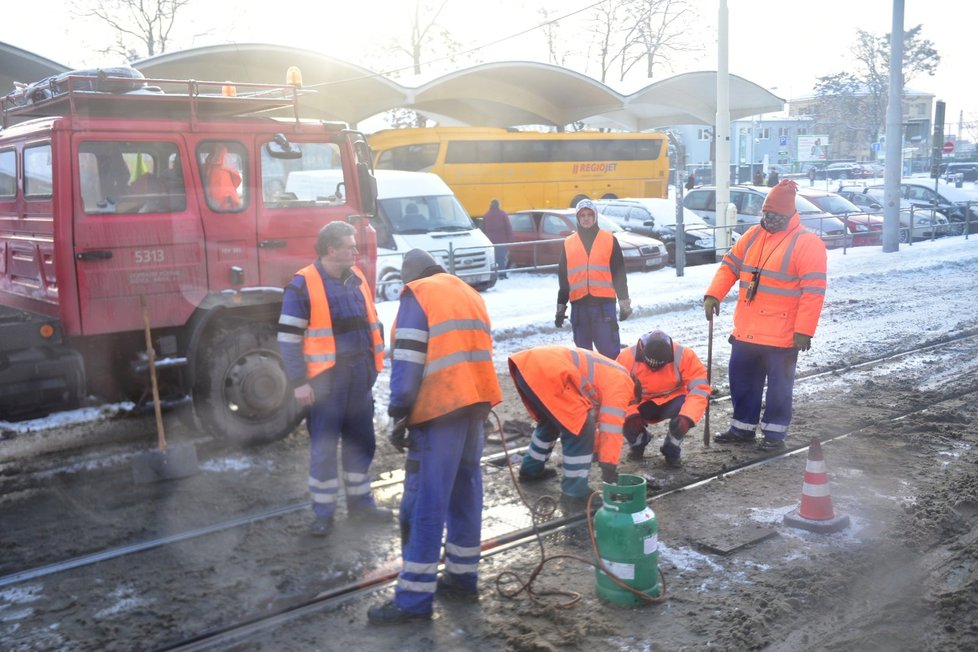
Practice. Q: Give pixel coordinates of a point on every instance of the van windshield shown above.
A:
(409, 215)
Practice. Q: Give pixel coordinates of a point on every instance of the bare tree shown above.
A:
(663, 29)
(614, 34)
(142, 28)
(427, 35)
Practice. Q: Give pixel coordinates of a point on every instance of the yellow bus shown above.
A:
(529, 169)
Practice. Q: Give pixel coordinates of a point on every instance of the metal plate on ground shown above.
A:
(734, 538)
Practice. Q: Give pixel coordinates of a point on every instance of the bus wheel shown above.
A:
(609, 195)
(243, 394)
(574, 201)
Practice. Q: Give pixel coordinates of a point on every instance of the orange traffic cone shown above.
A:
(815, 513)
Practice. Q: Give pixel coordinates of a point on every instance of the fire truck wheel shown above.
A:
(243, 394)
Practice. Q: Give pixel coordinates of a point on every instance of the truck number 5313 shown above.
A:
(144, 256)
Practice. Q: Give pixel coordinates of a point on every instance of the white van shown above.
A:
(414, 210)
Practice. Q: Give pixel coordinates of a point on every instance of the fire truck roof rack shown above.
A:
(125, 93)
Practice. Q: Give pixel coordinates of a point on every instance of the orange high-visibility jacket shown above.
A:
(792, 283)
(686, 375)
(458, 370)
(319, 345)
(571, 382)
(590, 274)
(222, 181)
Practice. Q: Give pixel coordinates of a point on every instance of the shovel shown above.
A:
(709, 383)
(166, 462)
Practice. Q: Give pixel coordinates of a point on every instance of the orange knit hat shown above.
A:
(781, 198)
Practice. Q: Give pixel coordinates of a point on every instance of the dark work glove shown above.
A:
(711, 306)
(398, 436)
(561, 315)
(609, 473)
(803, 342)
(679, 426)
(624, 309)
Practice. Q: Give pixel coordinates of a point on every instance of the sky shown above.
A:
(781, 45)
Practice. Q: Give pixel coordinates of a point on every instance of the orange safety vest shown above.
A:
(319, 345)
(458, 369)
(590, 273)
(791, 287)
(686, 375)
(571, 383)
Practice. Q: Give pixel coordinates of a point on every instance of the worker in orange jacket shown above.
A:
(221, 181)
(562, 388)
(443, 384)
(781, 269)
(674, 387)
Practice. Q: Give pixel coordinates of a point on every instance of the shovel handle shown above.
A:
(709, 383)
(151, 356)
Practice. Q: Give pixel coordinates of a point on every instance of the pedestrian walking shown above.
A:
(591, 274)
(443, 384)
(780, 268)
(499, 230)
(565, 390)
(332, 347)
(674, 388)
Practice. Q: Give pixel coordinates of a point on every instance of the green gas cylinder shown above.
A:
(628, 542)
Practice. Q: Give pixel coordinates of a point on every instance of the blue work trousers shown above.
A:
(578, 453)
(651, 412)
(343, 411)
(595, 326)
(442, 487)
(750, 366)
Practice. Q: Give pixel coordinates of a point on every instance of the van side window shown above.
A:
(37, 171)
(8, 173)
(314, 179)
(130, 177)
(223, 174)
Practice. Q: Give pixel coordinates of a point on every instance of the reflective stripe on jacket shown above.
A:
(686, 375)
(319, 345)
(571, 382)
(458, 367)
(792, 283)
(590, 273)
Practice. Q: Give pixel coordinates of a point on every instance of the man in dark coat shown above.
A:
(499, 230)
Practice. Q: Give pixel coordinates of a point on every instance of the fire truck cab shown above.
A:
(116, 189)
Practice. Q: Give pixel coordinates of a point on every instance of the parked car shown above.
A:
(748, 201)
(951, 172)
(543, 231)
(959, 206)
(656, 218)
(865, 228)
(916, 223)
(847, 170)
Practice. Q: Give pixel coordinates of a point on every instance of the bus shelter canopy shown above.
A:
(499, 94)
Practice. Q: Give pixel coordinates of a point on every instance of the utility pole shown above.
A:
(894, 153)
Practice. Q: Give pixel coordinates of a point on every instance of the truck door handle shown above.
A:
(93, 255)
(271, 244)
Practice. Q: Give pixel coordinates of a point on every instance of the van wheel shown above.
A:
(389, 286)
(243, 394)
(574, 201)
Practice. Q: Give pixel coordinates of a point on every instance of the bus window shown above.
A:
(413, 158)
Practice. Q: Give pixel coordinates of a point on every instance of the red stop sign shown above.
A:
(949, 147)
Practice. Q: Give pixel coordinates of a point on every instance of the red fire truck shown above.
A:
(115, 189)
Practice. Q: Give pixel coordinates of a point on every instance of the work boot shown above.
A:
(671, 451)
(672, 461)
(635, 453)
(546, 474)
(734, 437)
(372, 514)
(322, 526)
(771, 445)
(390, 614)
(450, 588)
(575, 504)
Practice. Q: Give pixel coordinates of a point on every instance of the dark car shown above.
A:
(915, 222)
(656, 218)
(953, 172)
(865, 228)
(958, 205)
(544, 232)
(843, 171)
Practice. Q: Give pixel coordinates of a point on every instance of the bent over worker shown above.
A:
(590, 274)
(674, 387)
(332, 346)
(560, 388)
(443, 383)
(781, 269)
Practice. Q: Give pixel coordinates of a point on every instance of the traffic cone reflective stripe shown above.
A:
(816, 513)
